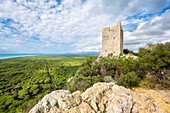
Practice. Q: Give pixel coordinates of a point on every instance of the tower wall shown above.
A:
(112, 40)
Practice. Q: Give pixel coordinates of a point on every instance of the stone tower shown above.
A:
(112, 40)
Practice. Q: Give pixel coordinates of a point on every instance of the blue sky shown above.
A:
(72, 26)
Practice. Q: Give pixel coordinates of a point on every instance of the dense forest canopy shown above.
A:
(25, 80)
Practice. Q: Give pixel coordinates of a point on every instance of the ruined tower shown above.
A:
(112, 40)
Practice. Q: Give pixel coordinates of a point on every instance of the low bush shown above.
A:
(130, 79)
(81, 83)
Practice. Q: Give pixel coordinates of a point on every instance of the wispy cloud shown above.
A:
(29, 26)
(156, 30)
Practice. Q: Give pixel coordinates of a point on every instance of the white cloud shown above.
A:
(140, 25)
(90, 49)
(75, 24)
(156, 29)
(3, 47)
(165, 41)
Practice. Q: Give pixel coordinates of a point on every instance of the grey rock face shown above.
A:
(109, 79)
(102, 97)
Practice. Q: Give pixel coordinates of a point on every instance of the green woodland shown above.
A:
(25, 80)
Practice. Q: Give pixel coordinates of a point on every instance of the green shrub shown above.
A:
(41, 81)
(22, 93)
(125, 51)
(27, 97)
(129, 80)
(47, 80)
(9, 101)
(46, 86)
(35, 92)
(33, 88)
(95, 79)
(15, 104)
(81, 82)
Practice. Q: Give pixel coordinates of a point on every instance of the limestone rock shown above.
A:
(104, 97)
(60, 100)
(108, 79)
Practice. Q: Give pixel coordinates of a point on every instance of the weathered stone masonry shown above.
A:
(112, 40)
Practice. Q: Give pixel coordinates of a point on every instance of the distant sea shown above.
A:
(4, 56)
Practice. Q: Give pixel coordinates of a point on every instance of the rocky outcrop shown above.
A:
(101, 98)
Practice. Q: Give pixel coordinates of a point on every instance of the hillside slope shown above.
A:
(105, 97)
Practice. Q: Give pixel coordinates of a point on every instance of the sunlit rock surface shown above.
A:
(105, 97)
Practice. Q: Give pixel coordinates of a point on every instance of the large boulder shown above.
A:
(102, 97)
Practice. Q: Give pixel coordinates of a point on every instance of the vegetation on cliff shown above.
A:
(150, 69)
